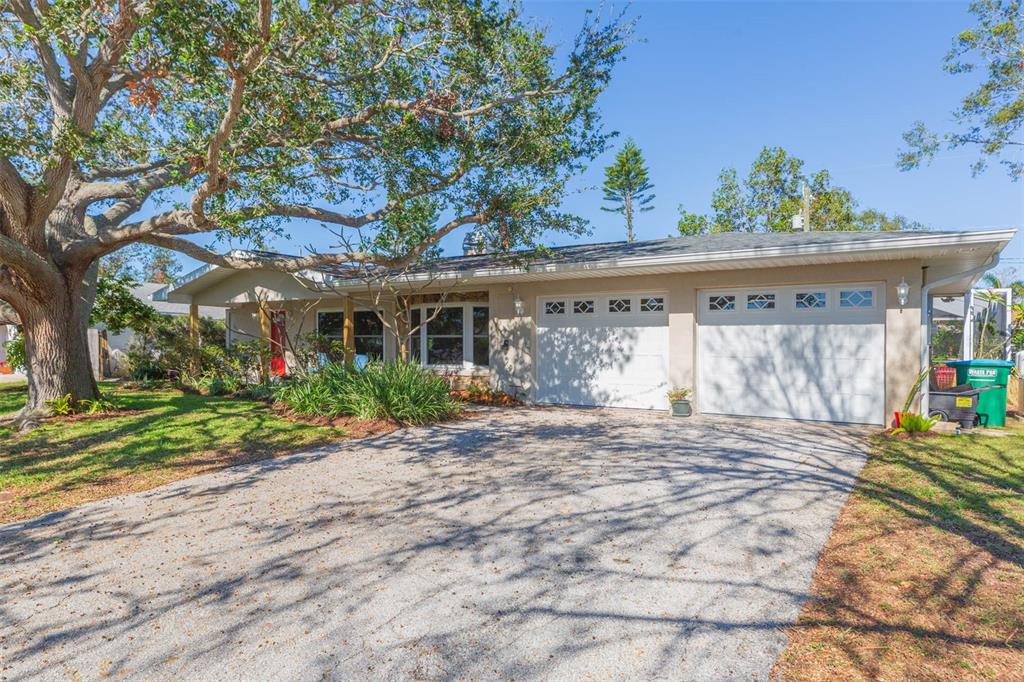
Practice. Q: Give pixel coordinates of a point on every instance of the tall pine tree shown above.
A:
(627, 185)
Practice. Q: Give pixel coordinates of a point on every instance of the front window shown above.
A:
(415, 320)
(481, 336)
(331, 324)
(369, 334)
(445, 343)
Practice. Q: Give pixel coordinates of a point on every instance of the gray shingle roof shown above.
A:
(695, 245)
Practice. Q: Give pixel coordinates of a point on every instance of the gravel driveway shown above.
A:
(527, 544)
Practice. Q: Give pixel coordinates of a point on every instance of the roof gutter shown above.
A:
(926, 338)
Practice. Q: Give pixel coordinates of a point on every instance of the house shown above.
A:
(805, 325)
(113, 362)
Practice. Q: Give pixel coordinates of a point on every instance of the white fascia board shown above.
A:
(890, 247)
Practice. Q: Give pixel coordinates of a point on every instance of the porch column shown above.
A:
(264, 343)
(348, 337)
(193, 333)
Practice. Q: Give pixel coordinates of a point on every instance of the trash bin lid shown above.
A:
(980, 363)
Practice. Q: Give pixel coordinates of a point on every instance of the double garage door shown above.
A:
(815, 353)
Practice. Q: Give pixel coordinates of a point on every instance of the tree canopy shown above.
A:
(771, 195)
(627, 185)
(190, 125)
(989, 118)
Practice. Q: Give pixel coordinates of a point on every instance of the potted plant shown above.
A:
(679, 398)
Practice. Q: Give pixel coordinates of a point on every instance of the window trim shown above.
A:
(467, 334)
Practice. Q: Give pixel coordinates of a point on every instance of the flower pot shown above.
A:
(681, 408)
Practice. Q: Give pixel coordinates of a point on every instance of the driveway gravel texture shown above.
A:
(535, 543)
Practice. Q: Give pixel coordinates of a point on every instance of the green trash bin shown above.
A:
(984, 374)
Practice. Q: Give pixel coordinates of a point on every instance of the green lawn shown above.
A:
(923, 575)
(172, 435)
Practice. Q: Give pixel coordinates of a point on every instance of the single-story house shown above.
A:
(805, 325)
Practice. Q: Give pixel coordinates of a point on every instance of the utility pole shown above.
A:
(805, 208)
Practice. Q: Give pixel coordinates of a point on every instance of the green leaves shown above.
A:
(118, 309)
(990, 117)
(432, 107)
(772, 194)
(627, 185)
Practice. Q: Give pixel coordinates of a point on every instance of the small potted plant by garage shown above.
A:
(679, 398)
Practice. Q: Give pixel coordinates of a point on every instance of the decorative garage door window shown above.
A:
(812, 300)
(619, 305)
(583, 307)
(554, 308)
(859, 298)
(721, 303)
(652, 304)
(760, 301)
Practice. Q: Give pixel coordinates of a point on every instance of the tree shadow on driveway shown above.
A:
(531, 543)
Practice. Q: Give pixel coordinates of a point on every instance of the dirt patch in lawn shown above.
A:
(923, 575)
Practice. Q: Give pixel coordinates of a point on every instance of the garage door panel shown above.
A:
(604, 360)
(826, 366)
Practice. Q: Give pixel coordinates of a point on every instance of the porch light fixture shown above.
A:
(518, 303)
(902, 292)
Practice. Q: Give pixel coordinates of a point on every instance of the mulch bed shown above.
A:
(353, 426)
(495, 399)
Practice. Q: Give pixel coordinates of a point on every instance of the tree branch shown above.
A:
(56, 86)
(15, 194)
(249, 260)
(215, 181)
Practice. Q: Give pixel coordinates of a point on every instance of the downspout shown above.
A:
(926, 337)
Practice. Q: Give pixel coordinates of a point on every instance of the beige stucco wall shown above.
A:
(514, 338)
(515, 367)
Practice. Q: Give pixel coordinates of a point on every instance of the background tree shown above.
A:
(989, 117)
(141, 263)
(227, 120)
(772, 194)
(627, 185)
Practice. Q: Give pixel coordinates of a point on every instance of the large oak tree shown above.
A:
(153, 121)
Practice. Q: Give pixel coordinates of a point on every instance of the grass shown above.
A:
(923, 575)
(170, 436)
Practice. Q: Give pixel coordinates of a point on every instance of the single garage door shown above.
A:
(811, 352)
(603, 349)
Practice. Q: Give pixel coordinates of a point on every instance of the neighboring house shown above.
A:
(6, 334)
(805, 325)
(118, 344)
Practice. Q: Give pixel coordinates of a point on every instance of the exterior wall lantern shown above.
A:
(903, 292)
(520, 308)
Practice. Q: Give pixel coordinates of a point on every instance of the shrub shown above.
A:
(911, 422)
(16, 357)
(400, 391)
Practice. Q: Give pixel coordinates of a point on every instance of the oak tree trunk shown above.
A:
(57, 348)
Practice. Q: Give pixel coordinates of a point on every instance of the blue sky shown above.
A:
(707, 85)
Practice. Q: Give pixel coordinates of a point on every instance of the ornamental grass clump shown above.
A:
(398, 391)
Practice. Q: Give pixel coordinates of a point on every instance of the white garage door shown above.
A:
(608, 349)
(812, 352)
